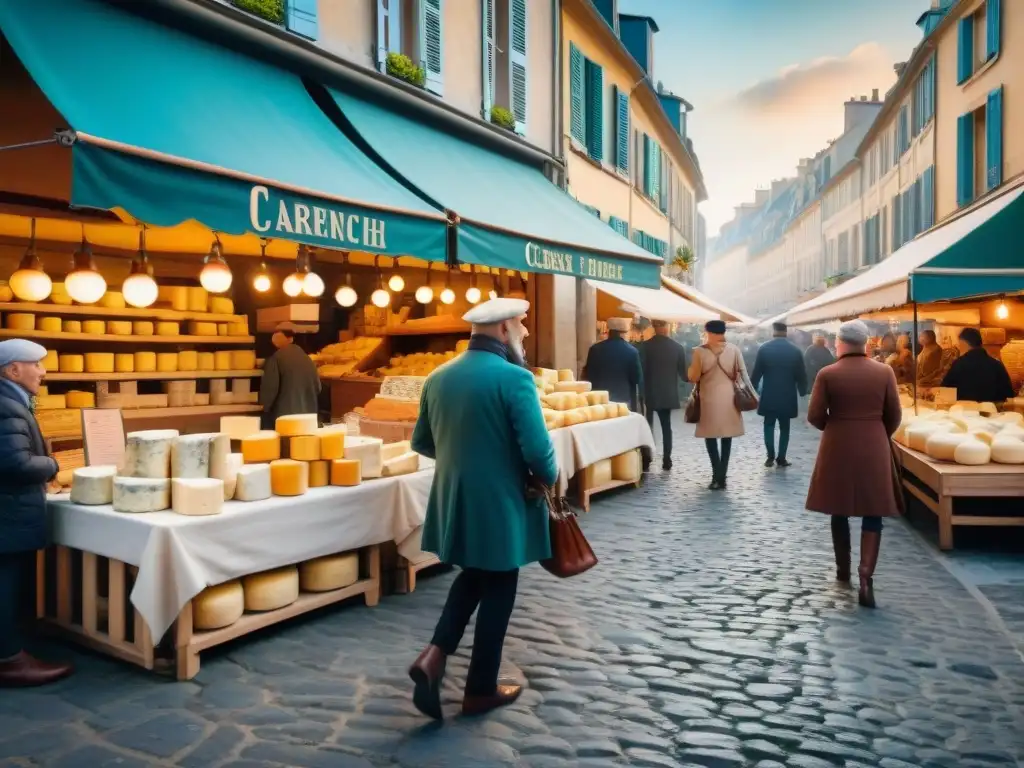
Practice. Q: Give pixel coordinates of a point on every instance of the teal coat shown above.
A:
(480, 418)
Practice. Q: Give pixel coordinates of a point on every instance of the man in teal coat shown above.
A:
(480, 418)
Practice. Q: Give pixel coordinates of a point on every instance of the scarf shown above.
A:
(481, 343)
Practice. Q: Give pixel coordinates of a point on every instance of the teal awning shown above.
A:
(172, 128)
(510, 215)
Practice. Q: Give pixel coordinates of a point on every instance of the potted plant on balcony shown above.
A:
(401, 66)
(503, 118)
(268, 10)
(683, 262)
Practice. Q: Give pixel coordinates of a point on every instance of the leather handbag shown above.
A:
(743, 396)
(571, 553)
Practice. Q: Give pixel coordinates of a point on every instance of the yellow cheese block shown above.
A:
(188, 361)
(598, 474)
(201, 328)
(261, 447)
(78, 399)
(71, 326)
(222, 360)
(124, 362)
(6, 294)
(238, 329)
(325, 574)
(304, 448)
(167, 362)
(207, 361)
(97, 327)
(297, 424)
(20, 321)
(145, 362)
(332, 444)
(271, 590)
(113, 300)
(221, 305)
(59, 295)
(197, 299)
(243, 360)
(50, 324)
(177, 295)
(222, 329)
(50, 362)
(288, 477)
(119, 327)
(51, 402)
(577, 387)
(627, 466)
(219, 606)
(99, 362)
(320, 473)
(346, 472)
(166, 328)
(143, 328)
(566, 375)
(72, 363)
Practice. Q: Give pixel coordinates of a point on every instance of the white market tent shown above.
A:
(720, 311)
(655, 304)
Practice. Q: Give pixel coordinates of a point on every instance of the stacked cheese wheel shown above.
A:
(566, 402)
(969, 433)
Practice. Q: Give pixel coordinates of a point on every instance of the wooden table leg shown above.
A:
(187, 665)
(372, 594)
(945, 522)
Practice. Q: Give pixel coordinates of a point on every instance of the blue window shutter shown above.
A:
(621, 131)
(929, 197)
(648, 171)
(993, 28)
(488, 49)
(595, 110)
(965, 159)
(577, 95)
(897, 223)
(518, 62)
(300, 18)
(432, 44)
(965, 50)
(994, 138)
(656, 188)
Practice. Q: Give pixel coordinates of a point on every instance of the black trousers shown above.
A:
(665, 418)
(495, 594)
(14, 567)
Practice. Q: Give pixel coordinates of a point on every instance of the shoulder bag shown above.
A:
(571, 553)
(691, 411)
(743, 397)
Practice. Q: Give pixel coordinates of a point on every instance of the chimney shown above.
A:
(761, 196)
(874, 94)
(898, 68)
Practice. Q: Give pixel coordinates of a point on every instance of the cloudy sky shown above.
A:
(768, 78)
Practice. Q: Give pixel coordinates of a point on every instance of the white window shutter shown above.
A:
(487, 13)
(518, 33)
(431, 44)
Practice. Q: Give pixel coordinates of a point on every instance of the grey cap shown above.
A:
(853, 332)
(20, 351)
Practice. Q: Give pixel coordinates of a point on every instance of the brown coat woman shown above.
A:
(856, 404)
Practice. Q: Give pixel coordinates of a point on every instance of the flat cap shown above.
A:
(20, 351)
(621, 324)
(853, 332)
(715, 326)
(496, 311)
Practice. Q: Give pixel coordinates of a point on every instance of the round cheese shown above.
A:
(222, 360)
(78, 399)
(20, 321)
(166, 328)
(95, 485)
(1012, 430)
(124, 362)
(50, 402)
(238, 329)
(1007, 450)
(972, 453)
(167, 362)
(325, 574)
(332, 443)
(72, 363)
(271, 590)
(237, 427)
(145, 362)
(59, 295)
(147, 453)
(577, 387)
(207, 361)
(141, 494)
(1009, 417)
(221, 305)
(243, 360)
(574, 417)
(941, 446)
(252, 482)
(197, 495)
(71, 326)
(228, 473)
(188, 361)
(304, 447)
(201, 328)
(261, 447)
(198, 299)
(987, 409)
(219, 606)
(297, 424)
(346, 472)
(113, 300)
(190, 456)
(143, 328)
(919, 432)
(595, 413)
(611, 410)
(99, 362)
(178, 297)
(627, 466)
(119, 327)
(566, 375)
(289, 477)
(623, 409)
(320, 473)
(95, 327)
(51, 362)
(50, 324)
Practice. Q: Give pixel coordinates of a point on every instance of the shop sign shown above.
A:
(542, 259)
(277, 215)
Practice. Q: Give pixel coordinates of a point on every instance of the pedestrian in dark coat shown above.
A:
(856, 404)
(781, 366)
(663, 361)
(613, 365)
(290, 382)
(977, 375)
(817, 356)
(25, 470)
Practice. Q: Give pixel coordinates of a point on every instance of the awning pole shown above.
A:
(913, 346)
(63, 138)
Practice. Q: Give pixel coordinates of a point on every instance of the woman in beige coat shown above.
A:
(715, 366)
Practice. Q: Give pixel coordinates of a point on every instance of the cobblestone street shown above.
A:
(712, 634)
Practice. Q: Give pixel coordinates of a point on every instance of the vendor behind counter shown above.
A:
(977, 375)
(290, 383)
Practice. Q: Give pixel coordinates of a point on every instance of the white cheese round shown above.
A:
(148, 453)
(141, 494)
(190, 456)
(1007, 450)
(218, 606)
(197, 495)
(271, 590)
(941, 446)
(93, 485)
(972, 453)
(919, 432)
(1010, 417)
(252, 482)
(332, 572)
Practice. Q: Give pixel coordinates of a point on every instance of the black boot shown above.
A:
(841, 547)
(870, 541)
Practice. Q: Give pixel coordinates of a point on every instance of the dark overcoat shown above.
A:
(780, 366)
(664, 365)
(25, 469)
(856, 403)
(816, 357)
(290, 384)
(613, 365)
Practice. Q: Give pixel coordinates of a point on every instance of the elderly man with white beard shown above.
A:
(481, 419)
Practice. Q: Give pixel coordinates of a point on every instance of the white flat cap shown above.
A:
(20, 351)
(619, 323)
(853, 332)
(496, 311)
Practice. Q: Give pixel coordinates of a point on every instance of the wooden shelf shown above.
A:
(436, 330)
(7, 333)
(152, 376)
(137, 414)
(95, 311)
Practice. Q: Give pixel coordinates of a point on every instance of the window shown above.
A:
(980, 149)
(414, 29)
(928, 199)
(619, 225)
(621, 132)
(903, 142)
(979, 38)
(924, 97)
(300, 18)
(504, 64)
(586, 103)
(652, 169)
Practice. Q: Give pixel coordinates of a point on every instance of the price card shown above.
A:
(103, 436)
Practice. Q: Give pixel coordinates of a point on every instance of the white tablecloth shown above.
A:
(598, 440)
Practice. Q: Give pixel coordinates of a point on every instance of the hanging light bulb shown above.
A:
(447, 296)
(313, 285)
(425, 294)
(30, 282)
(346, 295)
(139, 288)
(472, 293)
(215, 276)
(84, 283)
(396, 283)
(292, 285)
(1002, 311)
(380, 298)
(261, 282)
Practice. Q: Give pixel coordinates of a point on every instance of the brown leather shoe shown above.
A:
(841, 547)
(427, 672)
(480, 705)
(870, 542)
(24, 671)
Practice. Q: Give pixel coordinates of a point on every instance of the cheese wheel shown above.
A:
(239, 329)
(99, 362)
(221, 305)
(95, 485)
(289, 477)
(941, 446)
(201, 328)
(611, 410)
(119, 327)
(50, 324)
(243, 360)
(1009, 417)
(59, 295)
(597, 474)
(167, 362)
(304, 448)
(332, 444)
(51, 362)
(143, 328)
(972, 453)
(197, 496)
(141, 494)
(124, 362)
(222, 329)
(20, 321)
(188, 361)
(190, 456)
(94, 327)
(596, 397)
(218, 606)
(325, 574)
(577, 387)
(71, 326)
(72, 363)
(1012, 430)
(113, 300)
(296, 424)
(147, 454)
(566, 375)
(261, 447)
(1007, 450)
(595, 412)
(238, 427)
(252, 482)
(553, 419)
(627, 466)
(197, 299)
(368, 451)
(574, 417)
(346, 472)
(167, 328)
(404, 464)
(919, 432)
(78, 399)
(271, 590)
(900, 435)
(178, 297)
(320, 473)
(207, 361)
(145, 362)
(227, 471)
(51, 402)
(987, 409)
(222, 360)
